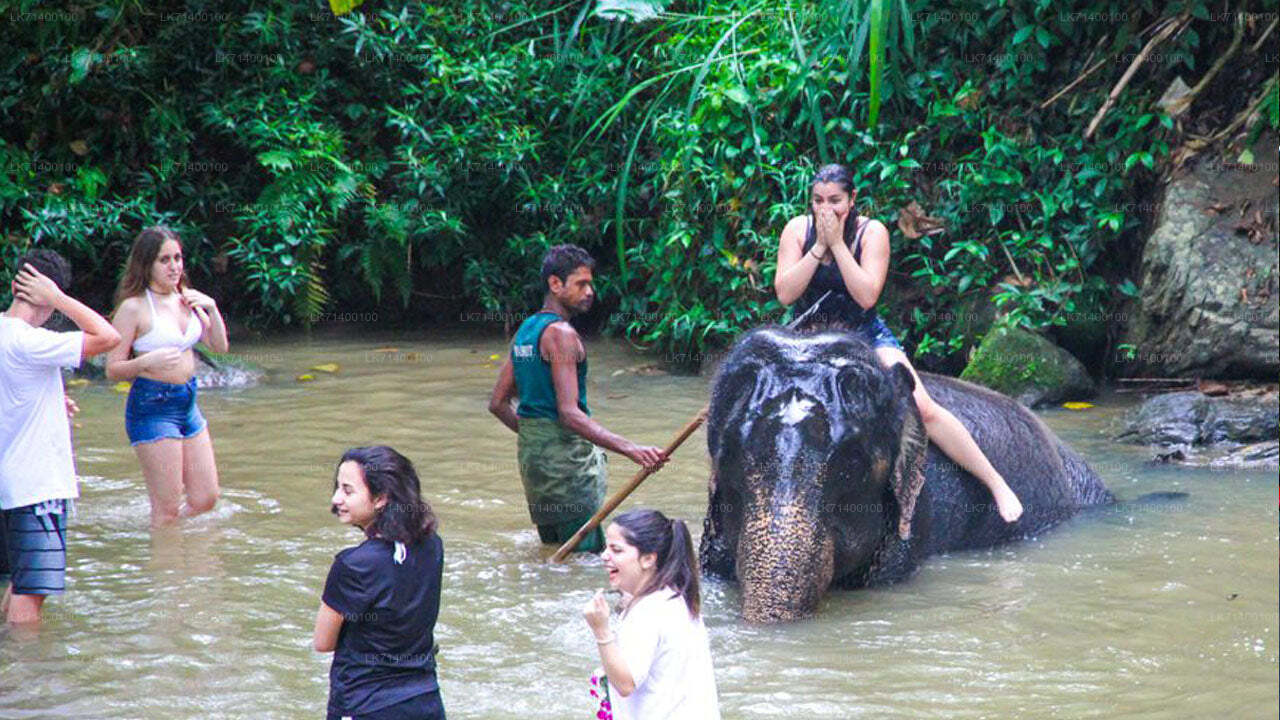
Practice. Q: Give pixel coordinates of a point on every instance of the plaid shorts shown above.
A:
(34, 542)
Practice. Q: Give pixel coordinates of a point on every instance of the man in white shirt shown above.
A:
(37, 473)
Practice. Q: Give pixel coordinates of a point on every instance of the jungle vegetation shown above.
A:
(417, 158)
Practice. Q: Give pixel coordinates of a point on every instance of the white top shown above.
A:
(669, 657)
(35, 435)
(164, 332)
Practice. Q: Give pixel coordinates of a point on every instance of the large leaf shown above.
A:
(342, 7)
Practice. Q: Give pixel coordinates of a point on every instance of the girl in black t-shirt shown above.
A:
(380, 602)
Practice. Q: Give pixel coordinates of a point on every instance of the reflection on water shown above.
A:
(1163, 611)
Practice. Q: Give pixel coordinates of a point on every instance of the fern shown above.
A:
(313, 297)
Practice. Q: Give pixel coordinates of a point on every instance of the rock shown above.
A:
(213, 370)
(1261, 455)
(1028, 368)
(1191, 418)
(219, 370)
(95, 368)
(1207, 306)
(1085, 334)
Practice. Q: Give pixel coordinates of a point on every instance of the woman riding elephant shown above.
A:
(840, 268)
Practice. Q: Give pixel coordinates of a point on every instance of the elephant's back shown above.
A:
(1051, 480)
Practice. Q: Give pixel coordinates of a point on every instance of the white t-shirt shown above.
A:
(35, 436)
(669, 657)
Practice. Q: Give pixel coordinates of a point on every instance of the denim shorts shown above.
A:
(877, 334)
(35, 547)
(158, 410)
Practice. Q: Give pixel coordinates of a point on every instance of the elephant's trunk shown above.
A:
(785, 562)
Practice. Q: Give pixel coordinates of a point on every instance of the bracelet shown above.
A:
(815, 257)
(607, 640)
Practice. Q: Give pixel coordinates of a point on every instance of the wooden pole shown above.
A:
(612, 503)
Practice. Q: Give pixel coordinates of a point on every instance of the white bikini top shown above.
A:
(164, 332)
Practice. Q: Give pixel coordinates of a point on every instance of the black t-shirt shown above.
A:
(384, 652)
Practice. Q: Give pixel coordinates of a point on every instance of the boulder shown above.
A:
(1192, 418)
(1208, 276)
(213, 370)
(1028, 368)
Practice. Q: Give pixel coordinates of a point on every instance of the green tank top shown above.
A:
(533, 373)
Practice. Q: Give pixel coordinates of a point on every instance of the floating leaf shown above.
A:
(306, 377)
(326, 367)
(122, 386)
(77, 382)
(1077, 405)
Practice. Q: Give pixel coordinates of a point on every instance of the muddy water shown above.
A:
(1152, 612)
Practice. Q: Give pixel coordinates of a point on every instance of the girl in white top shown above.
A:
(160, 319)
(659, 660)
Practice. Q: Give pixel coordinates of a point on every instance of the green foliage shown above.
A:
(419, 158)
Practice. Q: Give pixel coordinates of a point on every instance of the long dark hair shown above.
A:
(406, 517)
(649, 531)
(137, 270)
(840, 175)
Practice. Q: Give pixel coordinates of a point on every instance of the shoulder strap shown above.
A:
(810, 236)
(152, 304)
(857, 240)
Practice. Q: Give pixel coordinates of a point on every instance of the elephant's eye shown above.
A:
(851, 386)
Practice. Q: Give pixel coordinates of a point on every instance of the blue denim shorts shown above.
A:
(877, 334)
(158, 410)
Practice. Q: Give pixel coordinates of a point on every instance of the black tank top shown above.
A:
(839, 307)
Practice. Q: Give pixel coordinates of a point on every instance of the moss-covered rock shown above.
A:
(1028, 368)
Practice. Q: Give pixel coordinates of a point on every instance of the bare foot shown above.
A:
(1007, 503)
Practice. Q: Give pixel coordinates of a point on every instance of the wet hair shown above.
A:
(137, 270)
(649, 531)
(50, 264)
(562, 260)
(840, 175)
(834, 173)
(406, 517)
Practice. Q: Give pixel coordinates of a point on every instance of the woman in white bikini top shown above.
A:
(163, 420)
(164, 331)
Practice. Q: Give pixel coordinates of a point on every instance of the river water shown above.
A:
(1164, 611)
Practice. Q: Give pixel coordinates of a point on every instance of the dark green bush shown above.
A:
(419, 158)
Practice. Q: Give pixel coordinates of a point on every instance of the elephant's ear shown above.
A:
(908, 469)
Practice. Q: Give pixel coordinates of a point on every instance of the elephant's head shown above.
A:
(817, 452)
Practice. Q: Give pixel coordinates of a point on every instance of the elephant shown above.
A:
(823, 475)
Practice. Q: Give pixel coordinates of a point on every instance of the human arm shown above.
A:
(562, 348)
(865, 280)
(795, 268)
(206, 310)
(503, 391)
(346, 597)
(119, 365)
(328, 626)
(596, 613)
(30, 286)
